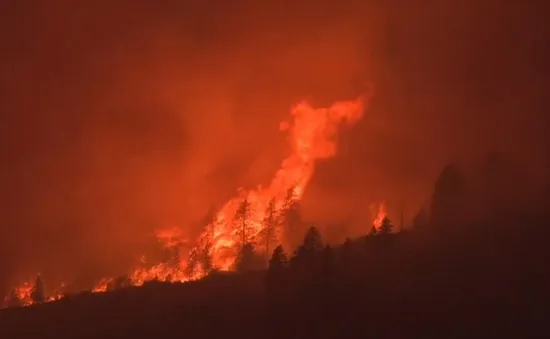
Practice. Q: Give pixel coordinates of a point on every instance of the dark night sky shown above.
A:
(112, 113)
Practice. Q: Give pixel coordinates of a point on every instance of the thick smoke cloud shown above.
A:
(121, 117)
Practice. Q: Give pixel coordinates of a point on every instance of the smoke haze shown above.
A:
(117, 118)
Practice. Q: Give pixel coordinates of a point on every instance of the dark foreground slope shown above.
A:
(480, 284)
(155, 309)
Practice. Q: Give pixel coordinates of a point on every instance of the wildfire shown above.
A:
(380, 215)
(22, 295)
(312, 135)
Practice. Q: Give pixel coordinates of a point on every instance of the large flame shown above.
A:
(312, 135)
(380, 214)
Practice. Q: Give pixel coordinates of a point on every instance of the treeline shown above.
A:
(282, 222)
(451, 215)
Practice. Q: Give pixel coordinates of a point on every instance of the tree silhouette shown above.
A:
(312, 240)
(205, 259)
(312, 245)
(373, 230)
(447, 197)
(278, 262)
(246, 258)
(386, 226)
(291, 218)
(193, 261)
(241, 220)
(38, 294)
(271, 221)
(276, 287)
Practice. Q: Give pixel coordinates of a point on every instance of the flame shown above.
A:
(380, 215)
(312, 135)
(22, 293)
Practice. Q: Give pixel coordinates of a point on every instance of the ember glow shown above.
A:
(312, 135)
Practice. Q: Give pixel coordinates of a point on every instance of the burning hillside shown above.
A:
(258, 218)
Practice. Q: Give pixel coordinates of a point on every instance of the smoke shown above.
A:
(120, 118)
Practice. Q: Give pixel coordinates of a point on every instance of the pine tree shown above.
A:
(312, 245)
(241, 220)
(204, 251)
(290, 198)
(312, 240)
(246, 259)
(193, 261)
(206, 258)
(291, 218)
(373, 231)
(279, 261)
(386, 226)
(38, 294)
(270, 224)
(275, 284)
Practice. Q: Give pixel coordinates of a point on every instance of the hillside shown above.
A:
(403, 285)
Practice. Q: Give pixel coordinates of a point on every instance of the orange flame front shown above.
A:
(312, 135)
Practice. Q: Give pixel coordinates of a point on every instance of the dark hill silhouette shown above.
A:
(484, 275)
(398, 285)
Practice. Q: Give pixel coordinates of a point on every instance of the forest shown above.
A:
(449, 273)
(206, 169)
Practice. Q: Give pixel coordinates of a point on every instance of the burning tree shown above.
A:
(200, 255)
(206, 258)
(246, 258)
(205, 251)
(242, 222)
(193, 261)
(291, 218)
(271, 221)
